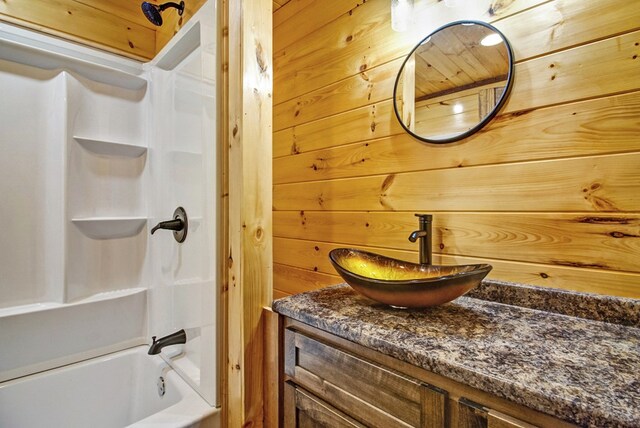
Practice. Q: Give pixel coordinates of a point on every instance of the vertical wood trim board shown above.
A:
(549, 192)
(249, 263)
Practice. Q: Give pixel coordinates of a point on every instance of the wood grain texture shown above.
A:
(272, 369)
(249, 255)
(315, 413)
(553, 79)
(454, 394)
(363, 123)
(601, 241)
(500, 420)
(605, 125)
(291, 280)
(117, 26)
(127, 10)
(371, 42)
(608, 183)
(368, 393)
(81, 22)
(547, 193)
(287, 30)
(313, 256)
(433, 403)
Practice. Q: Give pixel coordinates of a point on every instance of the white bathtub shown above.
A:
(116, 390)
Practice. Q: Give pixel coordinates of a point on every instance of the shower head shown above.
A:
(153, 12)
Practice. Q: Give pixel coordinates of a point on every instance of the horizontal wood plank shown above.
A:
(289, 280)
(600, 183)
(363, 123)
(363, 89)
(596, 241)
(286, 21)
(126, 10)
(313, 256)
(554, 79)
(348, 48)
(363, 39)
(81, 22)
(601, 126)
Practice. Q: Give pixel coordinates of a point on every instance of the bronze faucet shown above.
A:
(424, 234)
(173, 339)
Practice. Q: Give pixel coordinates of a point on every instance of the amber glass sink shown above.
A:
(404, 284)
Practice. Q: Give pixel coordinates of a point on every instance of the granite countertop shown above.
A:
(578, 361)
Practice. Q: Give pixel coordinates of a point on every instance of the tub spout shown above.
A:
(172, 339)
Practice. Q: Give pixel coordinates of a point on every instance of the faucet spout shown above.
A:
(425, 236)
(172, 339)
(416, 234)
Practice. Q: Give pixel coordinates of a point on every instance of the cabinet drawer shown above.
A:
(371, 394)
(473, 415)
(303, 410)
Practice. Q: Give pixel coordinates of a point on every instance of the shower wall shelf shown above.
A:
(29, 48)
(110, 227)
(111, 148)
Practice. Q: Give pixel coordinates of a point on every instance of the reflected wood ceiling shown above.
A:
(454, 59)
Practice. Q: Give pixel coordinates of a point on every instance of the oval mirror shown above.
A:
(453, 82)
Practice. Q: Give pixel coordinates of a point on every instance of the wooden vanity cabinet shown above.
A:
(330, 382)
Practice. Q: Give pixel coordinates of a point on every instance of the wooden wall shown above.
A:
(117, 26)
(548, 193)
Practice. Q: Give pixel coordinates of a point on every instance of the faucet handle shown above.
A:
(179, 225)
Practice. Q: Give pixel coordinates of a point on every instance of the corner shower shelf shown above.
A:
(111, 148)
(110, 227)
(29, 48)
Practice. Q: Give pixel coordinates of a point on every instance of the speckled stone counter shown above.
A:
(576, 363)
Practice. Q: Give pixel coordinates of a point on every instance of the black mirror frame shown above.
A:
(487, 118)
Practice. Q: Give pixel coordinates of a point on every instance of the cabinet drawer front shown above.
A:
(473, 415)
(309, 411)
(371, 394)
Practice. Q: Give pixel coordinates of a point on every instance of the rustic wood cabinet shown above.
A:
(330, 382)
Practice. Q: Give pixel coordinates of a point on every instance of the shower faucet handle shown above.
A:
(176, 224)
(179, 225)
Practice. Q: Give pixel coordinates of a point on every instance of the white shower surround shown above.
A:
(94, 150)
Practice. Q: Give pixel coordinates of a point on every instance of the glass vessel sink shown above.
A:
(404, 284)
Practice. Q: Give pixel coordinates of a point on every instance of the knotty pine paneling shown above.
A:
(600, 241)
(323, 150)
(293, 280)
(311, 256)
(116, 26)
(548, 193)
(363, 40)
(556, 78)
(287, 30)
(598, 183)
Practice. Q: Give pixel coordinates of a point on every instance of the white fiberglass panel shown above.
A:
(32, 118)
(185, 274)
(116, 390)
(106, 187)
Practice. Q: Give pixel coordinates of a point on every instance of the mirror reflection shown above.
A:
(453, 82)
